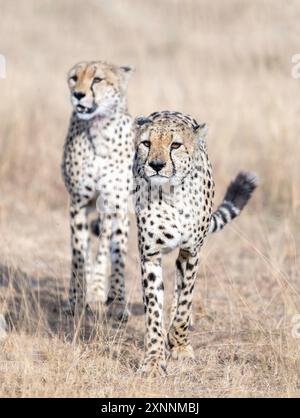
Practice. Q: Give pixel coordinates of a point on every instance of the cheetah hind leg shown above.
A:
(117, 308)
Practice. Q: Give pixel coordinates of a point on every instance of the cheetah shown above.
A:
(97, 172)
(174, 198)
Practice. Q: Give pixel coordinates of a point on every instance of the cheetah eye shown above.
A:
(74, 78)
(97, 80)
(146, 144)
(176, 145)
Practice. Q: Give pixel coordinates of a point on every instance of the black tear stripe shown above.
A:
(93, 94)
(173, 164)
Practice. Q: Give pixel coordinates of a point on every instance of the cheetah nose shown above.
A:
(78, 95)
(157, 165)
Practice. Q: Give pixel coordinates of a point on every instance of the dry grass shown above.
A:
(227, 63)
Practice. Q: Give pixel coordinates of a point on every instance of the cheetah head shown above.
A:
(166, 143)
(97, 88)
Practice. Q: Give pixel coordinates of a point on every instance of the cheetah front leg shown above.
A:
(97, 287)
(153, 293)
(179, 275)
(186, 272)
(81, 258)
(118, 249)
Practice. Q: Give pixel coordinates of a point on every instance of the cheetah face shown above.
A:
(97, 88)
(165, 149)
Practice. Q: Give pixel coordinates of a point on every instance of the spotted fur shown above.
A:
(174, 198)
(97, 171)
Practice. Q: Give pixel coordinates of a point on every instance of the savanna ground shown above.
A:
(226, 63)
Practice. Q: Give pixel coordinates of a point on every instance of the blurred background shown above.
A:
(227, 63)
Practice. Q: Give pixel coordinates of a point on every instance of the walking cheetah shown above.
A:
(97, 168)
(174, 196)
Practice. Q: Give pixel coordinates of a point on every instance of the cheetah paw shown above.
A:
(71, 310)
(182, 352)
(153, 367)
(95, 298)
(118, 311)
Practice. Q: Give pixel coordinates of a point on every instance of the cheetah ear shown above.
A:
(201, 133)
(127, 68)
(141, 121)
(125, 72)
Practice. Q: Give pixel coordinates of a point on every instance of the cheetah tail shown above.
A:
(236, 197)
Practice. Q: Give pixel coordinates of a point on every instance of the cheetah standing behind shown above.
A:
(97, 166)
(174, 197)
